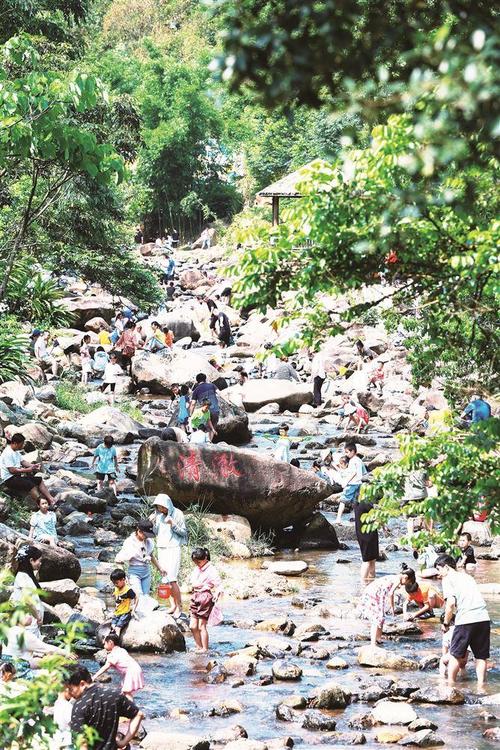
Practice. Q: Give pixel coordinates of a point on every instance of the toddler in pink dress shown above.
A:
(126, 665)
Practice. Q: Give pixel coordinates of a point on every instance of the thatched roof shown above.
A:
(286, 187)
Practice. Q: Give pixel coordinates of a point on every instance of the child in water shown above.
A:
(282, 451)
(125, 664)
(207, 591)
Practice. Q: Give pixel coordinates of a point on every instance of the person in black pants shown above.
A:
(367, 540)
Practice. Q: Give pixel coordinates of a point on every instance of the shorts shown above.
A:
(111, 476)
(351, 493)
(119, 621)
(475, 635)
(22, 484)
(201, 605)
(111, 386)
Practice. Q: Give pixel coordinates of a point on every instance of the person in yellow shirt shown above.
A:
(156, 342)
(126, 601)
(103, 337)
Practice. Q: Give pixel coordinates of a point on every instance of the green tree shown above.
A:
(43, 148)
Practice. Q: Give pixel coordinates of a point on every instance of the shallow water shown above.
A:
(176, 681)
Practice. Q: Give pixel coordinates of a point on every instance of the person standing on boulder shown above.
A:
(205, 391)
(285, 371)
(169, 525)
(318, 375)
(472, 621)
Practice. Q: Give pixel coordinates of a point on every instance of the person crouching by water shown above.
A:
(207, 591)
(169, 525)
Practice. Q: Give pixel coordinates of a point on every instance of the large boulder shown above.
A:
(35, 433)
(231, 528)
(233, 423)
(257, 393)
(269, 493)
(192, 279)
(57, 562)
(96, 324)
(64, 591)
(157, 633)
(182, 325)
(318, 533)
(159, 373)
(86, 308)
(15, 392)
(91, 428)
(165, 740)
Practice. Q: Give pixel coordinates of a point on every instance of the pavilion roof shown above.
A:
(287, 186)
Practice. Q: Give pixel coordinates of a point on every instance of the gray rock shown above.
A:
(317, 722)
(54, 559)
(63, 591)
(285, 670)
(439, 695)
(424, 738)
(329, 695)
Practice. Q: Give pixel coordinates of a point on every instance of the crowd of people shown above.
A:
(156, 543)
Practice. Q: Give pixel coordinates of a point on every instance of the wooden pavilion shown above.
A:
(284, 188)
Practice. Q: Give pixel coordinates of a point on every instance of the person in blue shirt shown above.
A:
(476, 410)
(106, 462)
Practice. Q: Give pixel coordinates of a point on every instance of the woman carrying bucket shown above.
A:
(171, 533)
(137, 551)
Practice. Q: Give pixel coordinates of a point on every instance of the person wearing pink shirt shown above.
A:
(124, 664)
(206, 585)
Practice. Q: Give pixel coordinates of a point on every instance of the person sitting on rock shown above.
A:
(353, 412)
(156, 342)
(43, 524)
(24, 648)
(106, 462)
(19, 476)
(318, 470)
(125, 601)
(45, 358)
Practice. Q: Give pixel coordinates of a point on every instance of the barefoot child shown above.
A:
(126, 601)
(377, 598)
(127, 666)
(207, 591)
(112, 372)
(423, 593)
(107, 463)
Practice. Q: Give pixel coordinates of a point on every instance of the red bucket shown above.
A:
(164, 591)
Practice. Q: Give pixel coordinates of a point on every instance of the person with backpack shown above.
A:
(169, 526)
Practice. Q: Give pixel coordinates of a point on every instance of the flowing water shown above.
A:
(176, 681)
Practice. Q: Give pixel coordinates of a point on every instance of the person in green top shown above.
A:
(201, 416)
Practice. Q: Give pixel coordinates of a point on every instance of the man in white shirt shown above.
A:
(353, 477)
(472, 621)
(18, 476)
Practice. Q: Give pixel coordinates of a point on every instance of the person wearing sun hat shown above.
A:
(170, 528)
(137, 551)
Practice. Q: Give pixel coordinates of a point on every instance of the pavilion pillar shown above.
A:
(276, 210)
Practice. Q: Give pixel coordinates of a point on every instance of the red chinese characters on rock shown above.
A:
(224, 465)
(189, 467)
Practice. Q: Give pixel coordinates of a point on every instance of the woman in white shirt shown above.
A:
(137, 551)
(171, 533)
(26, 585)
(24, 649)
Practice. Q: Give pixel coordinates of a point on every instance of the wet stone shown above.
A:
(419, 724)
(295, 701)
(318, 722)
(439, 695)
(424, 738)
(284, 670)
(284, 713)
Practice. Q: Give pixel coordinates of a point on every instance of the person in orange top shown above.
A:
(423, 593)
(169, 337)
